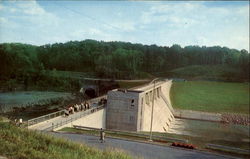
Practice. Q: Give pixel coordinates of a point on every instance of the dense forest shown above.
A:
(22, 62)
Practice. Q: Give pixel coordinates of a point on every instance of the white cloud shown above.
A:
(27, 20)
(198, 24)
(162, 23)
(3, 20)
(87, 32)
(30, 7)
(125, 26)
(93, 33)
(13, 10)
(1, 7)
(32, 12)
(178, 13)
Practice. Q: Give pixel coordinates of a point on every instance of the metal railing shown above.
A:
(134, 134)
(59, 113)
(45, 117)
(73, 118)
(97, 99)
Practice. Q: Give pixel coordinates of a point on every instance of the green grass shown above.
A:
(128, 85)
(70, 74)
(207, 72)
(211, 96)
(20, 143)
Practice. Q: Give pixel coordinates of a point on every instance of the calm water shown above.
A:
(24, 98)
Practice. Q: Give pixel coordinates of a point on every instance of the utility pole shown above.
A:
(152, 111)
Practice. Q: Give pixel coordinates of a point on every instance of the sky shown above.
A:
(164, 23)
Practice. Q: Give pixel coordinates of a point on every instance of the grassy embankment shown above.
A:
(216, 97)
(207, 72)
(127, 85)
(20, 143)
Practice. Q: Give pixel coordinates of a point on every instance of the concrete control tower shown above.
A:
(131, 109)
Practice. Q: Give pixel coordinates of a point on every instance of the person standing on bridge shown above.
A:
(102, 135)
(81, 107)
(85, 106)
(66, 112)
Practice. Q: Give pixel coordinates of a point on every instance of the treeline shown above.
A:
(113, 59)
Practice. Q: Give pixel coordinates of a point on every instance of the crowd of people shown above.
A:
(76, 108)
(71, 109)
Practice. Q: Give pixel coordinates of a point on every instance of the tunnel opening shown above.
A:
(90, 92)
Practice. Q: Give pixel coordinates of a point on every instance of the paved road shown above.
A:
(147, 151)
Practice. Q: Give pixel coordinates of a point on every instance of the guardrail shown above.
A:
(71, 119)
(93, 100)
(134, 134)
(58, 113)
(45, 117)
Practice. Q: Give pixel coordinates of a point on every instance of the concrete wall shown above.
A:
(162, 116)
(95, 120)
(120, 115)
(121, 112)
(165, 92)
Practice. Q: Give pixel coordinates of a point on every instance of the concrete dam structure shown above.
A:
(128, 110)
(131, 109)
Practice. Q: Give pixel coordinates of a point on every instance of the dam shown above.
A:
(126, 109)
(131, 109)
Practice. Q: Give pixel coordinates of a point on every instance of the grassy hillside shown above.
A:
(70, 74)
(81, 75)
(20, 143)
(207, 72)
(211, 96)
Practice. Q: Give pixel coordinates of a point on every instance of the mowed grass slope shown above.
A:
(211, 96)
(208, 72)
(17, 143)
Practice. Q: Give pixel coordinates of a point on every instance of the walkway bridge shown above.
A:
(57, 120)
